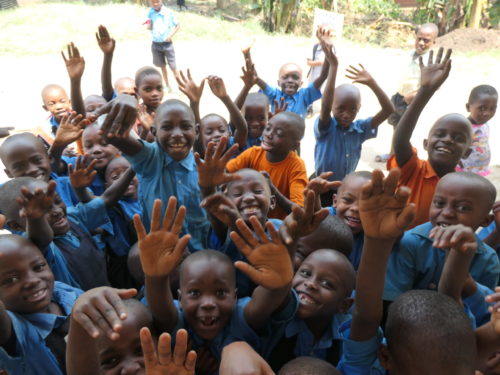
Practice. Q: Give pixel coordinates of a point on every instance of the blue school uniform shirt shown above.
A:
(65, 190)
(162, 23)
(119, 239)
(415, 264)
(339, 150)
(297, 102)
(485, 232)
(32, 355)
(357, 247)
(160, 177)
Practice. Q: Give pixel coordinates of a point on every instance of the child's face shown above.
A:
(424, 40)
(459, 201)
(279, 137)
(256, 117)
(306, 245)
(114, 171)
(56, 102)
(207, 296)
(26, 281)
(212, 129)
(321, 285)
(483, 109)
(449, 140)
(57, 218)
(346, 202)
(150, 90)
(124, 356)
(251, 195)
(125, 85)
(155, 4)
(346, 106)
(27, 158)
(93, 103)
(96, 147)
(176, 132)
(290, 79)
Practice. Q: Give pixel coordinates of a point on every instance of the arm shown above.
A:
(113, 194)
(192, 91)
(270, 267)
(160, 252)
(365, 78)
(5, 325)
(488, 335)
(328, 95)
(98, 312)
(174, 31)
(81, 176)
(75, 64)
(432, 76)
(241, 129)
(385, 215)
(323, 34)
(35, 206)
(249, 79)
(107, 46)
(70, 129)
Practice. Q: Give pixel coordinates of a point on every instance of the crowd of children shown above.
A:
(147, 239)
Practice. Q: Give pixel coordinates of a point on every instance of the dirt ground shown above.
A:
(20, 94)
(471, 40)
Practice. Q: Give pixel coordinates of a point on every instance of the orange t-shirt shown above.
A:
(421, 178)
(288, 176)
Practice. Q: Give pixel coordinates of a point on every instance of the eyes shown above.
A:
(149, 89)
(112, 360)
(170, 126)
(295, 77)
(17, 277)
(461, 207)
(456, 137)
(196, 293)
(22, 165)
(322, 281)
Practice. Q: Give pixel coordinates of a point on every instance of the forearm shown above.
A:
(55, 153)
(242, 96)
(323, 75)
(113, 194)
(83, 194)
(5, 325)
(455, 272)
(281, 201)
(129, 145)
(106, 80)
(195, 106)
(161, 302)
(239, 123)
(261, 84)
(263, 304)
(327, 99)
(81, 352)
(174, 31)
(370, 288)
(77, 103)
(39, 232)
(385, 103)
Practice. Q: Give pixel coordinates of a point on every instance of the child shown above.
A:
(107, 46)
(256, 113)
(149, 89)
(290, 82)
(338, 135)
(207, 296)
(34, 310)
(448, 141)
(125, 85)
(163, 26)
(482, 106)
(165, 167)
(286, 169)
(460, 198)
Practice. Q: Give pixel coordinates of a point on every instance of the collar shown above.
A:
(430, 173)
(188, 162)
(298, 327)
(351, 128)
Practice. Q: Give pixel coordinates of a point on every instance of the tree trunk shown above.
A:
(476, 11)
(221, 4)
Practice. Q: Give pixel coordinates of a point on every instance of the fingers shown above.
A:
(246, 233)
(148, 348)
(439, 55)
(377, 182)
(169, 216)
(180, 349)
(259, 230)
(430, 59)
(391, 181)
(179, 220)
(275, 237)
(139, 227)
(156, 216)
(406, 217)
(248, 270)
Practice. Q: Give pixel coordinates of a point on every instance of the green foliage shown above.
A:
(372, 8)
(494, 13)
(280, 15)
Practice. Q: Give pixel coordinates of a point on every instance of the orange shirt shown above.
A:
(288, 176)
(421, 178)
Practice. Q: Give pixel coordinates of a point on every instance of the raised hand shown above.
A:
(105, 42)
(359, 75)
(75, 64)
(70, 129)
(280, 107)
(326, 43)
(212, 170)
(457, 237)
(189, 87)
(269, 264)
(321, 184)
(101, 311)
(180, 362)
(82, 175)
(217, 86)
(249, 76)
(383, 207)
(37, 203)
(146, 119)
(122, 114)
(221, 207)
(161, 249)
(435, 73)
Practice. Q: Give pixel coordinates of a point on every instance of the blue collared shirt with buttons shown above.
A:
(416, 264)
(297, 102)
(160, 177)
(338, 150)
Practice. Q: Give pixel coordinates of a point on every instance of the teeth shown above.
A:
(36, 295)
(442, 149)
(305, 299)
(177, 145)
(249, 210)
(354, 220)
(208, 320)
(443, 225)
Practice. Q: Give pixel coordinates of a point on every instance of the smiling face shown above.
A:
(347, 199)
(290, 78)
(212, 129)
(461, 199)
(96, 147)
(424, 40)
(26, 281)
(175, 130)
(483, 108)
(56, 101)
(346, 104)
(280, 137)
(251, 195)
(207, 295)
(150, 90)
(324, 283)
(25, 156)
(115, 169)
(448, 142)
(256, 116)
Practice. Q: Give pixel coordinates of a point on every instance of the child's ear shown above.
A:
(272, 202)
(384, 356)
(45, 107)
(467, 153)
(9, 175)
(334, 200)
(345, 305)
(426, 142)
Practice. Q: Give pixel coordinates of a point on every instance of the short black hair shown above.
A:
(144, 72)
(173, 104)
(432, 328)
(51, 86)
(308, 366)
(257, 98)
(29, 137)
(297, 121)
(337, 234)
(214, 115)
(481, 90)
(488, 189)
(10, 191)
(432, 26)
(207, 255)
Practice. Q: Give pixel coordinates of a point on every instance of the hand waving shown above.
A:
(105, 42)
(359, 75)
(435, 73)
(75, 64)
(37, 203)
(189, 88)
(82, 175)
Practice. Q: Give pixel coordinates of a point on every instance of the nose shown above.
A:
(447, 211)
(32, 170)
(131, 366)
(310, 284)
(248, 196)
(31, 281)
(207, 303)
